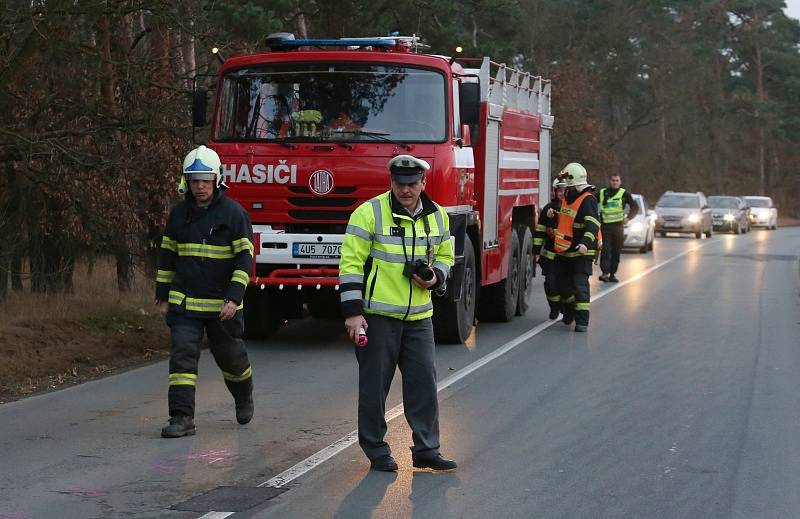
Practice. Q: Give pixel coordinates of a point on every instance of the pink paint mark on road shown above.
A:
(170, 465)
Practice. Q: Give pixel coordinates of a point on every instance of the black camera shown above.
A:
(418, 267)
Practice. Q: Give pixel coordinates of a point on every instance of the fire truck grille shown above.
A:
(319, 215)
(303, 190)
(321, 202)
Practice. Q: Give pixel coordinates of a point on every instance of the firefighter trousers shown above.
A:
(613, 239)
(227, 347)
(550, 284)
(409, 345)
(572, 276)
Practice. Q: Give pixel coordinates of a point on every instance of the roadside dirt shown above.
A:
(44, 354)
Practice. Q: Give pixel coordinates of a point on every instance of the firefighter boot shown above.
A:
(568, 315)
(555, 310)
(179, 425)
(243, 396)
(244, 411)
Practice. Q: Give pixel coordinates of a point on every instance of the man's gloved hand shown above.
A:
(582, 249)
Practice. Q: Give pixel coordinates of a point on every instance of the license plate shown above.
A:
(317, 250)
(672, 224)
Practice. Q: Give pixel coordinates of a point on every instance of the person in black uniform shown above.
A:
(543, 253)
(575, 242)
(204, 260)
(613, 200)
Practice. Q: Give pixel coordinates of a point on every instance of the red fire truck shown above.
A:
(305, 137)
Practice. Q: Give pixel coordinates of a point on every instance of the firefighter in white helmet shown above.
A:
(543, 252)
(203, 269)
(396, 249)
(575, 243)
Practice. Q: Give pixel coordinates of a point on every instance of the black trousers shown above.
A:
(408, 345)
(572, 275)
(613, 239)
(550, 283)
(227, 346)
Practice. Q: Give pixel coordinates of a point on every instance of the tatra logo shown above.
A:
(321, 182)
(282, 173)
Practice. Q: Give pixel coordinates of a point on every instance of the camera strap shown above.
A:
(429, 254)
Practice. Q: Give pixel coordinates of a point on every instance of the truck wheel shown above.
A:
(526, 267)
(499, 300)
(453, 320)
(261, 317)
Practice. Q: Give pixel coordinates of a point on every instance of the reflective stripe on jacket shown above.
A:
(378, 241)
(612, 209)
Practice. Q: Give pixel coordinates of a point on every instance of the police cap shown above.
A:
(406, 169)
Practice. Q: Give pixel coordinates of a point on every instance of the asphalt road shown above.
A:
(679, 402)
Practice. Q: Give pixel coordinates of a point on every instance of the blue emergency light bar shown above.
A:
(341, 42)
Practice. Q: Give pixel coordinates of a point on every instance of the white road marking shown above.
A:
(216, 515)
(341, 444)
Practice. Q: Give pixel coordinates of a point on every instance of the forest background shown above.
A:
(95, 100)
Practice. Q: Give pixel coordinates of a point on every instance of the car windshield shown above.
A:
(723, 202)
(332, 102)
(758, 202)
(681, 201)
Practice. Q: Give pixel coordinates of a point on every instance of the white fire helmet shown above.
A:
(201, 163)
(574, 174)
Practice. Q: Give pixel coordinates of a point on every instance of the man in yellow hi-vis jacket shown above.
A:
(396, 249)
(203, 264)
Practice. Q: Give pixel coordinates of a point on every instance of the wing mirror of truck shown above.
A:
(469, 103)
(199, 107)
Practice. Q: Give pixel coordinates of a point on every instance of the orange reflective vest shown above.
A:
(563, 234)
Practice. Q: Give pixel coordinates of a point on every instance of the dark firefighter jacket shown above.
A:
(206, 255)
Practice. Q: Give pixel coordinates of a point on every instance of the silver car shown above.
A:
(640, 231)
(729, 213)
(685, 213)
(763, 212)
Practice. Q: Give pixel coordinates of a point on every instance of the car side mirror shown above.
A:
(469, 103)
(199, 107)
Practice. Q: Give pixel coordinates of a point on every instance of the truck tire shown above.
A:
(526, 270)
(453, 320)
(261, 317)
(499, 300)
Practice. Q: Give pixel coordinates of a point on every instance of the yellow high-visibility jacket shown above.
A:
(380, 237)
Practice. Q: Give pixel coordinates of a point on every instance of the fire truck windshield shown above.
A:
(339, 102)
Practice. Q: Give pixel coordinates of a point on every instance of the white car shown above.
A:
(640, 231)
(763, 212)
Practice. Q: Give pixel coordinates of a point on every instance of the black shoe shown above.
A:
(435, 462)
(244, 411)
(568, 319)
(179, 426)
(581, 328)
(553, 315)
(604, 277)
(384, 464)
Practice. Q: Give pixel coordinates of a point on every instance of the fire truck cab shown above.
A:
(305, 132)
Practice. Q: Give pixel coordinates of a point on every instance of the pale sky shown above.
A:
(793, 8)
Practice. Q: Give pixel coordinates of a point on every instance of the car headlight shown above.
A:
(728, 218)
(694, 218)
(637, 227)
